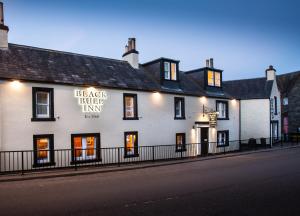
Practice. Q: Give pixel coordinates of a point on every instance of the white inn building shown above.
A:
(52, 100)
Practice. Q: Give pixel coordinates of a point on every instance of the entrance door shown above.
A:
(275, 130)
(204, 141)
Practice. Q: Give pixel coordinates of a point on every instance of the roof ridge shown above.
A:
(237, 80)
(64, 52)
(289, 73)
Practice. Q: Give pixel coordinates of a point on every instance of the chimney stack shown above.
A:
(3, 29)
(131, 55)
(207, 62)
(211, 64)
(271, 73)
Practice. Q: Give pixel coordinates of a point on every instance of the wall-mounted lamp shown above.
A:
(16, 84)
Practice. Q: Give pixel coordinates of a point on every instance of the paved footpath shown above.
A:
(265, 183)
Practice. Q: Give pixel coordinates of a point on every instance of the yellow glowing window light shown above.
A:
(130, 140)
(217, 79)
(42, 147)
(78, 146)
(210, 78)
(173, 71)
(90, 146)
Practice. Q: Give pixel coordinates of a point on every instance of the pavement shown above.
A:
(264, 183)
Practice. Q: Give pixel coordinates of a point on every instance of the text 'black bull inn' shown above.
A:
(86, 108)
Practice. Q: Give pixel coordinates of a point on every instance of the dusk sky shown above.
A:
(243, 37)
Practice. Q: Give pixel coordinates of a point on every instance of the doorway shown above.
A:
(204, 140)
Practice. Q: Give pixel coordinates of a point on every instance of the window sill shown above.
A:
(85, 161)
(36, 165)
(134, 118)
(222, 118)
(34, 119)
(179, 118)
(131, 156)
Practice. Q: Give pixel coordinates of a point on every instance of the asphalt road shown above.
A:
(257, 184)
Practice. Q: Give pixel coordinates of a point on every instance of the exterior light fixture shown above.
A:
(16, 84)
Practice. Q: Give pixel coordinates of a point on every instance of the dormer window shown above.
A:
(213, 78)
(170, 71)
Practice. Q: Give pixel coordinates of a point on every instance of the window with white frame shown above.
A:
(170, 71)
(130, 106)
(214, 78)
(180, 142)
(43, 150)
(179, 108)
(222, 109)
(223, 138)
(43, 105)
(131, 144)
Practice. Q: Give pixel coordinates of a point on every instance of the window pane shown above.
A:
(42, 104)
(173, 71)
(129, 107)
(85, 147)
(167, 70)
(217, 79)
(43, 150)
(210, 78)
(178, 110)
(42, 97)
(221, 109)
(130, 143)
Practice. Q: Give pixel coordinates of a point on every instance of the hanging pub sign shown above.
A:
(212, 116)
(91, 100)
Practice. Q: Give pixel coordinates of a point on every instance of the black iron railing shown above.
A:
(30, 160)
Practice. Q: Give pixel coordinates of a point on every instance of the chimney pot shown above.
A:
(3, 29)
(131, 55)
(207, 62)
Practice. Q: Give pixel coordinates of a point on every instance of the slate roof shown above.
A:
(49, 66)
(287, 81)
(257, 88)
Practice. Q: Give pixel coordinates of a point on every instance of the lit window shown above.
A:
(173, 71)
(217, 79)
(223, 138)
(167, 70)
(170, 71)
(130, 106)
(85, 147)
(43, 150)
(179, 108)
(222, 109)
(42, 99)
(180, 142)
(214, 78)
(210, 78)
(131, 144)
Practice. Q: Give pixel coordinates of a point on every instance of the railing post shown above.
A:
(75, 159)
(119, 162)
(281, 141)
(297, 139)
(181, 153)
(153, 154)
(22, 158)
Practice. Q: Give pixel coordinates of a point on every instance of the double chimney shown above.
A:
(3, 29)
(210, 63)
(131, 55)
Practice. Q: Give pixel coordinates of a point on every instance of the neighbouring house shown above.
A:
(289, 86)
(260, 105)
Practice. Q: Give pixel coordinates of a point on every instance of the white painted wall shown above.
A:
(155, 127)
(275, 92)
(255, 118)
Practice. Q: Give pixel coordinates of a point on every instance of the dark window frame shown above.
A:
(51, 150)
(51, 104)
(227, 109)
(163, 70)
(183, 148)
(135, 106)
(221, 79)
(227, 138)
(176, 99)
(98, 148)
(136, 145)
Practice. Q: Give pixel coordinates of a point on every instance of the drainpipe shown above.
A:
(240, 122)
